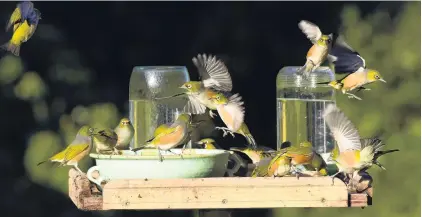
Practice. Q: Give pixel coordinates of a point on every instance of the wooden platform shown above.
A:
(213, 193)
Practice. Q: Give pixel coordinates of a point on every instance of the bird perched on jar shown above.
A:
(168, 136)
(22, 32)
(214, 77)
(232, 112)
(105, 141)
(304, 154)
(351, 154)
(21, 13)
(348, 61)
(210, 144)
(317, 54)
(75, 151)
(124, 133)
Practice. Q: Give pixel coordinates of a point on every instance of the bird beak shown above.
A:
(382, 80)
(183, 87)
(200, 143)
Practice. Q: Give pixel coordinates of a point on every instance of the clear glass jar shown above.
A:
(146, 114)
(300, 105)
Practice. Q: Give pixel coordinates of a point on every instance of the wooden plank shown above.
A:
(224, 193)
(80, 192)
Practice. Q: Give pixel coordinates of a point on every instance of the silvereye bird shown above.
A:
(304, 154)
(350, 154)
(214, 77)
(124, 133)
(257, 154)
(23, 33)
(167, 137)
(209, 143)
(232, 113)
(348, 61)
(273, 167)
(76, 151)
(105, 141)
(21, 13)
(319, 50)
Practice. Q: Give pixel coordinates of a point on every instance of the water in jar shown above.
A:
(300, 107)
(147, 114)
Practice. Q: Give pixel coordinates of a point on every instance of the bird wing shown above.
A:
(343, 130)
(15, 18)
(33, 19)
(194, 106)
(311, 30)
(345, 58)
(213, 72)
(73, 150)
(236, 109)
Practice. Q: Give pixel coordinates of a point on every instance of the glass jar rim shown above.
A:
(159, 68)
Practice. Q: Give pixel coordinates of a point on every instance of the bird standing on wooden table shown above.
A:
(105, 141)
(22, 32)
(348, 61)
(317, 54)
(277, 166)
(351, 154)
(167, 136)
(214, 76)
(232, 113)
(124, 133)
(75, 151)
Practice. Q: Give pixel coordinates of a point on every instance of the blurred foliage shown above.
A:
(10, 69)
(392, 110)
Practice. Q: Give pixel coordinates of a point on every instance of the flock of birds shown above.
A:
(352, 154)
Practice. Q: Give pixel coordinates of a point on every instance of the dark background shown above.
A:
(107, 39)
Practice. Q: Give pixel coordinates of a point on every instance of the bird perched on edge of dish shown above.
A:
(304, 154)
(348, 61)
(317, 54)
(278, 166)
(105, 141)
(75, 151)
(22, 33)
(232, 112)
(214, 76)
(351, 154)
(21, 13)
(209, 143)
(168, 136)
(124, 133)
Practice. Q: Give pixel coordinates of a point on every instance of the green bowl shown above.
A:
(145, 164)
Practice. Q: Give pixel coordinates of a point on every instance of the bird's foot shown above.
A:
(351, 96)
(212, 114)
(77, 168)
(225, 131)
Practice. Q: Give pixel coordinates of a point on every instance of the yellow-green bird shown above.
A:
(304, 154)
(21, 13)
(317, 54)
(351, 154)
(124, 133)
(167, 137)
(105, 141)
(348, 61)
(23, 32)
(258, 154)
(75, 151)
(209, 143)
(214, 77)
(232, 112)
(277, 166)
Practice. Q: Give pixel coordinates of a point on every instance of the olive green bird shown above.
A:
(317, 54)
(351, 154)
(258, 154)
(167, 136)
(124, 133)
(278, 166)
(210, 144)
(304, 154)
(76, 150)
(105, 141)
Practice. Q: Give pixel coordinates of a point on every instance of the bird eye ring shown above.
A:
(218, 97)
(189, 86)
(377, 77)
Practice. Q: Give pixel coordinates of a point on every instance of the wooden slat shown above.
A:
(80, 192)
(223, 193)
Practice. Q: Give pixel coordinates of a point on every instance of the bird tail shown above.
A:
(13, 48)
(306, 69)
(41, 162)
(381, 153)
(251, 141)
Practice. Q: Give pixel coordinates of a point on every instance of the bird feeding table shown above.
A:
(213, 193)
